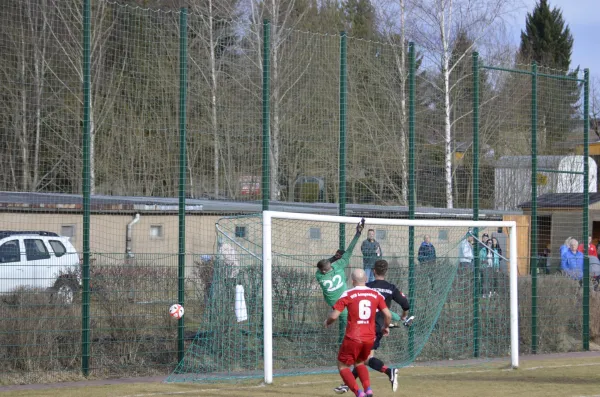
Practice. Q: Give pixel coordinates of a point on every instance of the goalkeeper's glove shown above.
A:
(407, 322)
(360, 226)
(338, 255)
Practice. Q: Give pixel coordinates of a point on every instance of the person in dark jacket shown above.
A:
(371, 251)
(426, 251)
(427, 258)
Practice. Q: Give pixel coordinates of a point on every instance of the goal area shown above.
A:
(265, 312)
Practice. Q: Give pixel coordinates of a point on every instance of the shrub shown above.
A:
(37, 336)
(558, 313)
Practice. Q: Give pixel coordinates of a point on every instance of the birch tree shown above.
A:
(437, 23)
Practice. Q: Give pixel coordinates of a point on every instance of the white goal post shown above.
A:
(267, 219)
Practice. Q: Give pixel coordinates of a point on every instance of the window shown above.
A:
(36, 250)
(10, 252)
(156, 231)
(68, 231)
(380, 235)
(240, 231)
(443, 235)
(315, 233)
(58, 248)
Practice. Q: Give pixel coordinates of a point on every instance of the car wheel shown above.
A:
(64, 291)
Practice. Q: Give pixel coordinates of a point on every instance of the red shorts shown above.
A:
(352, 351)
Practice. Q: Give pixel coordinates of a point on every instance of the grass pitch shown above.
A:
(552, 375)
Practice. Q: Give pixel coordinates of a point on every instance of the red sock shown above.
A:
(363, 375)
(384, 369)
(349, 380)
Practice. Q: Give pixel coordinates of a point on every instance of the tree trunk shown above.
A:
(23, 136)
(275, 128)
(447, 104)
(403, 123)
(213, 97)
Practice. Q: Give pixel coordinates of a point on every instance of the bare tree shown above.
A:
(213, 34)
(283, 16)
(106, 73)
(437, 24)
(394, 17)
(595, 107)
(27, 46)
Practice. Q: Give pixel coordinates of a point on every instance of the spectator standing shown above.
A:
(427, 257)
(591, 248)
(465, 253)
(371, 251)
(484, 239)
(496, 247)
(490, 263)
(571, 262)
(426, 253)
(565, 247)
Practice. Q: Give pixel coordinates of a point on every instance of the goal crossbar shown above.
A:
(267, 219)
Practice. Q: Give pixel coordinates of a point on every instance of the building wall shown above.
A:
(107, 232)
(107, 236)
(523, 245)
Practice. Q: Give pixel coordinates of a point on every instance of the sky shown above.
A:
(583, 19)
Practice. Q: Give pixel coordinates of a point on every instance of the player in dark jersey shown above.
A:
(390, 292)
(363, 304)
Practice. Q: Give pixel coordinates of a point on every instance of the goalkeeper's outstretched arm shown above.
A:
(348, 253)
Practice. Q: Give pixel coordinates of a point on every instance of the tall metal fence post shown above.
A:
(182, 174)
(85, 301)
(343, 107)
(411, 188)
(534, 223)
(266, 117)
(586, 206)
(476, 293)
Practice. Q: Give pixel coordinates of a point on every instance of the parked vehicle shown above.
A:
(39, 259)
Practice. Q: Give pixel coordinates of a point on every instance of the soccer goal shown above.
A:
(263, 311)
(291, 237)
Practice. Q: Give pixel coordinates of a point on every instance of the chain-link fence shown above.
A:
(131, 131)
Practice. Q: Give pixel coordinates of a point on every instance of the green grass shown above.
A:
(544, 376)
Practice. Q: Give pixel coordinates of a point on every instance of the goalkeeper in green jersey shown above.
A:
(331, 276)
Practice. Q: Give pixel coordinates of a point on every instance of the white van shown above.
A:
(39, 260)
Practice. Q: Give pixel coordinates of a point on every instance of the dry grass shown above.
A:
(545, 376)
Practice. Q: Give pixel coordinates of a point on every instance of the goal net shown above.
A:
(265, 310)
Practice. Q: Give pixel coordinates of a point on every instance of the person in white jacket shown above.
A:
(465, 253)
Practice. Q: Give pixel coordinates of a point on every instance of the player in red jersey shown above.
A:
(362, 304)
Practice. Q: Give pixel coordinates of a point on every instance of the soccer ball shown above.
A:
(176, 311)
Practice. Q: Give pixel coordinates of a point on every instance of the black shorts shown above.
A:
(378, 336)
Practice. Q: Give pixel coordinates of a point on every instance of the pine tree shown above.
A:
(360, 15)
(547, 40)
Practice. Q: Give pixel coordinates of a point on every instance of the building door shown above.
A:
(596, 233)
